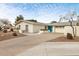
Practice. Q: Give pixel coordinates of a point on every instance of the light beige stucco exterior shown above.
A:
(32, 28)
(36, 28)
(23, 28)
(68, 29)
(59, 29)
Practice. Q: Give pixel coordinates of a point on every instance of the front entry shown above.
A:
(49, 28)
(26, 27)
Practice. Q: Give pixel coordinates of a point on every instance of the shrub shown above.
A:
(69, 36)
(11, 29)
(43, 29)
(5, 30)
(14, 34)
(0, 28)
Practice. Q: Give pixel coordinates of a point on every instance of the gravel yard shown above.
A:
(64, 39)
(8, 35)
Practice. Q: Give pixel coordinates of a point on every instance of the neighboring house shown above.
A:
(28, 26)
(5, 26)
(1, 24)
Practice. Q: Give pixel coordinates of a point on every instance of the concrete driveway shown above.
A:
(18, 45)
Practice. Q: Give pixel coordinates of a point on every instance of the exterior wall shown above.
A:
(59, 29)
(31, 28)
(23, 28)
(53, 28)
(68, 29)
(1, 23)
(77, 30)
(36, 28)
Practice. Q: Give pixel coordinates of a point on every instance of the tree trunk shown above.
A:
(73, 31)
(72, 28)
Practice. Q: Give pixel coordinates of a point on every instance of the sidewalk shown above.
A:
(53, 49)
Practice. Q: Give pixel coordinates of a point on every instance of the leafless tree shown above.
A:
(70, 18)
(6, 22)
(61, 18)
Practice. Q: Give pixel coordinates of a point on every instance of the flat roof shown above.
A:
(48, 24)
(63, 24)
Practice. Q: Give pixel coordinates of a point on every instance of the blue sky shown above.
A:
(42, 12)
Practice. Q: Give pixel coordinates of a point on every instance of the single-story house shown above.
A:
(59, 27)
(29, 26)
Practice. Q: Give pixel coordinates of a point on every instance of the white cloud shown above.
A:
(8, 12)
(43, 13)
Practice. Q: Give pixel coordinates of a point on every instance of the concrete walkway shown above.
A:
(53, 49)
(19, 45)
(31, 33)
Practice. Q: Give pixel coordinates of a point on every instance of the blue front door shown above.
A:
(49, 28)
